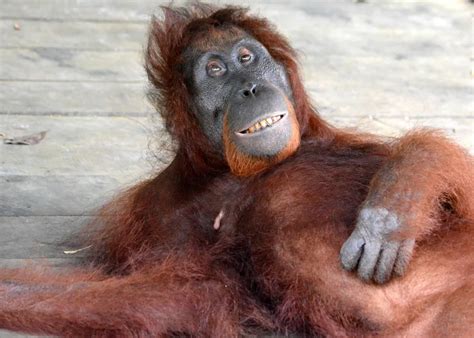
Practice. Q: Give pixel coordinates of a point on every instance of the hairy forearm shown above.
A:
(425, 177)
(424, 171)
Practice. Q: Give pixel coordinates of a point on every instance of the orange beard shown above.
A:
(246, 165)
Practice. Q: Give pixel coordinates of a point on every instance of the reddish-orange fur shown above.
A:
(300, 214)
(159, 267)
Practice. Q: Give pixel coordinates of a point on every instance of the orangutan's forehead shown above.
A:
(216, 38)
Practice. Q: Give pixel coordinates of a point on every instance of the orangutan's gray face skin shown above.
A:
(241, 85)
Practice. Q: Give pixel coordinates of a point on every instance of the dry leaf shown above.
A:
(26, 140)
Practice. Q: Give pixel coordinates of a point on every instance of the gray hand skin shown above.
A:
(371, 250)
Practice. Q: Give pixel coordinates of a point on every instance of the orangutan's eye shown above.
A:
(215, 68)
(245, 56)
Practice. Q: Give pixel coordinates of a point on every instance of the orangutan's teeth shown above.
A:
(265, 123)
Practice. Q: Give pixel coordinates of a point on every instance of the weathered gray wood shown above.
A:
(9, 334)
(55, 263)
(82, 146)
(59, 64)
(73, 35)
(385, 59)
(461, 130)
(56, 195)
(73, 98)
(40, 237)
(102, 10)
(349, 86)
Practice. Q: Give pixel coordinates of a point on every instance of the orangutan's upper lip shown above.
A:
(263, 123)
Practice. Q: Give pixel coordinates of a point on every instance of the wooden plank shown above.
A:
(73, 35)
(68, 195)
(40, 237)
(103, 10)
(58, 64)
(114, 146)
(461, 130)
(417, 86)
(350, 97)
(347, 100)
(64, 98)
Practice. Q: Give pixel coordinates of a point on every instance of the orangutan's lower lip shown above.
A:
(262, 124)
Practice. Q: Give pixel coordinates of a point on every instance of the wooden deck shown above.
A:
(74, 69)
